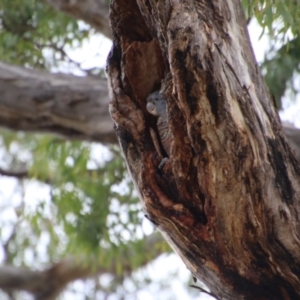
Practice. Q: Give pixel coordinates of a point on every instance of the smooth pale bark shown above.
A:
(227, 200)
(76, 107)
(93, 12)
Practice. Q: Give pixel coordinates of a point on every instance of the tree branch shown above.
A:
(20, 174)
(93, 12)
(49, 283)
(46, 284)
(76, 107)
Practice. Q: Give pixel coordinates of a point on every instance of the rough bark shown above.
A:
(76, 107)
(93, 12)
(227, 200)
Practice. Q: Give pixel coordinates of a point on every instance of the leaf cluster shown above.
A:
(92, 198)
(34, 34)
(280, 17)
(89, 208)
(280, 20)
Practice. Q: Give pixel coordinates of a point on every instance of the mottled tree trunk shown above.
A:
(227, 200)
(35, 100)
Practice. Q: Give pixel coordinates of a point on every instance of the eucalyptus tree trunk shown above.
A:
(227, 198)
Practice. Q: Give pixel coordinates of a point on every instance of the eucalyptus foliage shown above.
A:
(34, 34)
(280, 20)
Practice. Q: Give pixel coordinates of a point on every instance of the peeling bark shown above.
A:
(227, 200)
(76, 107)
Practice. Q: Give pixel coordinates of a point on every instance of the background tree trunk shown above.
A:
(35, 100)
(227, 200)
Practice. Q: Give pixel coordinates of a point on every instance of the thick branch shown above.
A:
(76, 107)
(93, 12)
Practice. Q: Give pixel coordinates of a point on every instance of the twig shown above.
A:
(204, 291)
(18, 174)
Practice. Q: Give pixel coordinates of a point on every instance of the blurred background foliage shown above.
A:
(280, 20)
(73, 197)
(34, 34)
